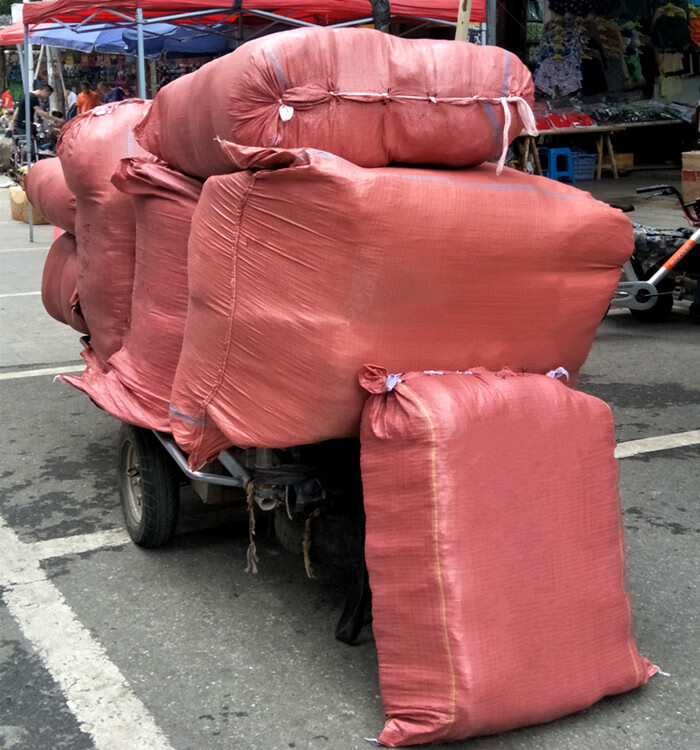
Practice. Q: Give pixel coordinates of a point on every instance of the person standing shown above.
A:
(110, 93)
(6, 101)
(71, 100)
(36, 97)
(87, 99)
(70, 97)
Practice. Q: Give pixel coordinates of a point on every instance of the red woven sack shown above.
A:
(59, 291)
(48, 193)
(495, 552)
(369, 97)
(137, 387)
(300, 275)
(90, 148)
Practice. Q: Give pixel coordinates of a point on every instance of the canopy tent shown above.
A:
(186, 40)
(313, 11)
(80, 14)
(12, 35)
(99, 38)
(142, 13)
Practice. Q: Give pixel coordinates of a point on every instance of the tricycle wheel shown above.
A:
(148, 487)
(661, 310)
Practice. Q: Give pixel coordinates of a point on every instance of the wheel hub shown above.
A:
(133, 491)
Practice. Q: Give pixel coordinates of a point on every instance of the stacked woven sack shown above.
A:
(47, 191)
(239, 311)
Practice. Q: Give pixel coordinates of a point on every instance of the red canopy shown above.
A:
(12, 34)
(321, 11)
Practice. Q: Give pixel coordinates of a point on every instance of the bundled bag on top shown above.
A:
(495, 551)
(368, 97)
(299, 275)
(136, 389)
(90, 147)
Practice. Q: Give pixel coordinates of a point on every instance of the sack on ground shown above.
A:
(494, 545)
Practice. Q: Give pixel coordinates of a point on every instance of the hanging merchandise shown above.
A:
(561, 50)
(583, 8)
(629, 31)
(670, 26)
(616, 72)
(694, 14)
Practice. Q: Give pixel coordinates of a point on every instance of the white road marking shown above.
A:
(43, 248)
(72, 545)
(19, 294)
(19, 374)
(96, 691)
(660, 443)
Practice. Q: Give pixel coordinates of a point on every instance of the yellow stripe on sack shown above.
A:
(438, 571)
(630, 620)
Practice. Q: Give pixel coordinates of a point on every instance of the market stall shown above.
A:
(78, 15)
(608, 68)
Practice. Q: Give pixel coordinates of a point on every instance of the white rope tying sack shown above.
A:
(286, 111)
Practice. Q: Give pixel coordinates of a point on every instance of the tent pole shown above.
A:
(154, 79)
(22, 63)
(40, 59)
(140, 53)
(463, 16)
(28, 114)
(491, 22)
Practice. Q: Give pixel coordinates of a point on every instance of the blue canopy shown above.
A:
(158, 38)
(166, 37)
(98, 38)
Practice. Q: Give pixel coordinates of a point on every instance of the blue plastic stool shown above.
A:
(560, 164)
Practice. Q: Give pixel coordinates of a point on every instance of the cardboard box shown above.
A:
(624, 162)
(690, 176)
(19, 207)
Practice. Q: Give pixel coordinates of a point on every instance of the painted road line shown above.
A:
(42, 248)
(80, 543)
(96, 691)
(661, 443)
(74, 545)
(18, 374)
(19, 294)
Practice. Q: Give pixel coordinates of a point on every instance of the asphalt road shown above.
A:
(180, 649)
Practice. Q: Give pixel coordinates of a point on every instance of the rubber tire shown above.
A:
(660, 312)
(160, 490)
